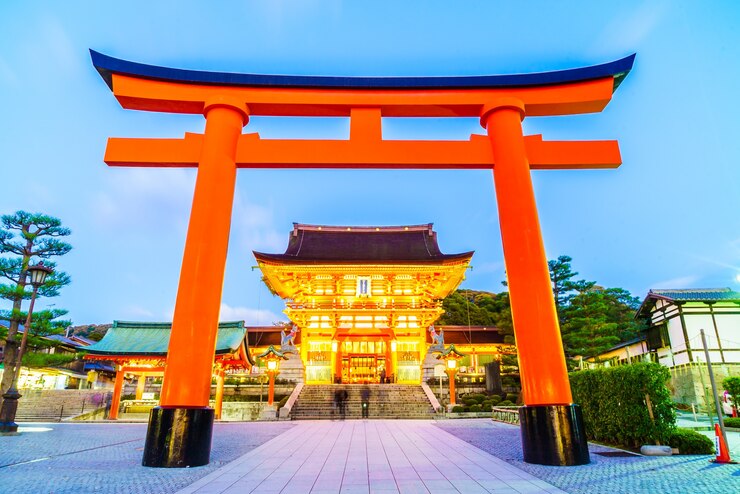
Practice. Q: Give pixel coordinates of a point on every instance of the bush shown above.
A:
(469, 402)
(505, 403)
(486, 406)
(479, 398)
(458, 409)
(614, 405)
(690, 442)
(494, 399)
(475, 408)
(732, 422)
(512, 397)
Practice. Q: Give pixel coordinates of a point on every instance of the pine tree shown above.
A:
(24, 236)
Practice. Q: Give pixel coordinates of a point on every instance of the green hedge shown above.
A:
(614, 405)
(690, 442)
(732, 422)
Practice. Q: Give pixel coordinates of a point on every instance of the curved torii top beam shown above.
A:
(366, 100)
(107, 66)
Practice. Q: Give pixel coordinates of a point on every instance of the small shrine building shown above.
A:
(363, 300)
(140, 349)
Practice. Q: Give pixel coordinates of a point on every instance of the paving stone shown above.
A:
(604, 475)
(106, 458)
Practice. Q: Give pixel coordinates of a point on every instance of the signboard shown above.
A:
(147, 396)
(439, 370)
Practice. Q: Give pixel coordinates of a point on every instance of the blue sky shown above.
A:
(668, 218)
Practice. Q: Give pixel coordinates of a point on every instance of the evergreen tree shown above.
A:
(24, 236)
(564, 287)
(597, 319)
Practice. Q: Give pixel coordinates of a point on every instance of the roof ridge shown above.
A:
(363, 228)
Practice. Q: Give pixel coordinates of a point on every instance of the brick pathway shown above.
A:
(605, 475)
(368, 456)
(106, 458)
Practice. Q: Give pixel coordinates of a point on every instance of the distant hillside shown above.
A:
(91, 331)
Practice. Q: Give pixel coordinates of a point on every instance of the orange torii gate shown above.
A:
(180, 429)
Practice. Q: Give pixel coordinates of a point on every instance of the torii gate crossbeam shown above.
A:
(179, 431)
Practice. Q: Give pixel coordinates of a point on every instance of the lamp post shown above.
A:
(38, 274)
(450, 355)
(273, 358)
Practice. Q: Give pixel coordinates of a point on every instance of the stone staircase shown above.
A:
(387, 401)
(55, 405)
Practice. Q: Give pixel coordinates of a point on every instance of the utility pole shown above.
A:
(714, 387)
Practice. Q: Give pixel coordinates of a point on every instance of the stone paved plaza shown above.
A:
(466, 456)
(106, 458)
(611, 475)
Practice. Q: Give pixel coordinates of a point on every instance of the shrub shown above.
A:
(732, 385)
(512, 397)
(690, 442)
(475, 408)
(732, 422)
(479, 398)
(458, 409)
(469, 402)
(614, 404)
(282, 402)
(494, 399)
(486, 406)
(505, 403)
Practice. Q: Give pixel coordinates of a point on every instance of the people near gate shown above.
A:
(382, 375)
(340, 403)
(365, 398)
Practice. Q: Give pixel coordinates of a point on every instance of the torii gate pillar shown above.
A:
(180, 429)
(549, 420)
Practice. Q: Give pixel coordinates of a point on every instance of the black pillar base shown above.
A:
(178, 437)
(553, 435)
(8, 411)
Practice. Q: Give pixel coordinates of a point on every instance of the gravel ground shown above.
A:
(106, 458)
(608, 475)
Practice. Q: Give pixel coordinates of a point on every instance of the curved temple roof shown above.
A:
(322, 244)
(107, 65)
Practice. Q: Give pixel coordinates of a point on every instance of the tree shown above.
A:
(596, 319)
(563, 286)
(24, 236)
(732, 386)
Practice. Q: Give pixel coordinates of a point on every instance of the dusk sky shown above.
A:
(669, 217)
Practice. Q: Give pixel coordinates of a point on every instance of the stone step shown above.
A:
(394, 401)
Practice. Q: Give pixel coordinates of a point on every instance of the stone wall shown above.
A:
(690, 383)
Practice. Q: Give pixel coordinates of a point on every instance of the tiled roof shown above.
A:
(322, 244)
(697, 294)
(151, 338)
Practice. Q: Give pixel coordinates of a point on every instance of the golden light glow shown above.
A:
(271, 365)
(342, 309)
(451, 363)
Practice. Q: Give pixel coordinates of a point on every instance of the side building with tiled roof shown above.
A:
(674, 320)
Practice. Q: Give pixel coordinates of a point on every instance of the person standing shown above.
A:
(343, 395)
(365, 397)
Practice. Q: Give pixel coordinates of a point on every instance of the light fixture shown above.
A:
(38, 273)
(272, 365)
(451, 363)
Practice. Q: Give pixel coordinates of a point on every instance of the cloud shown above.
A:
(144, 197)
(138, 312)
(258, 317)
(253, 227)
(676, 283)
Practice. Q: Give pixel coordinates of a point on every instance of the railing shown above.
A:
(510, 415)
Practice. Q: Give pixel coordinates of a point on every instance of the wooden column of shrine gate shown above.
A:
(552, 426)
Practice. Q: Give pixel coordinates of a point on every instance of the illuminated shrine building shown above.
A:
(363, 298)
